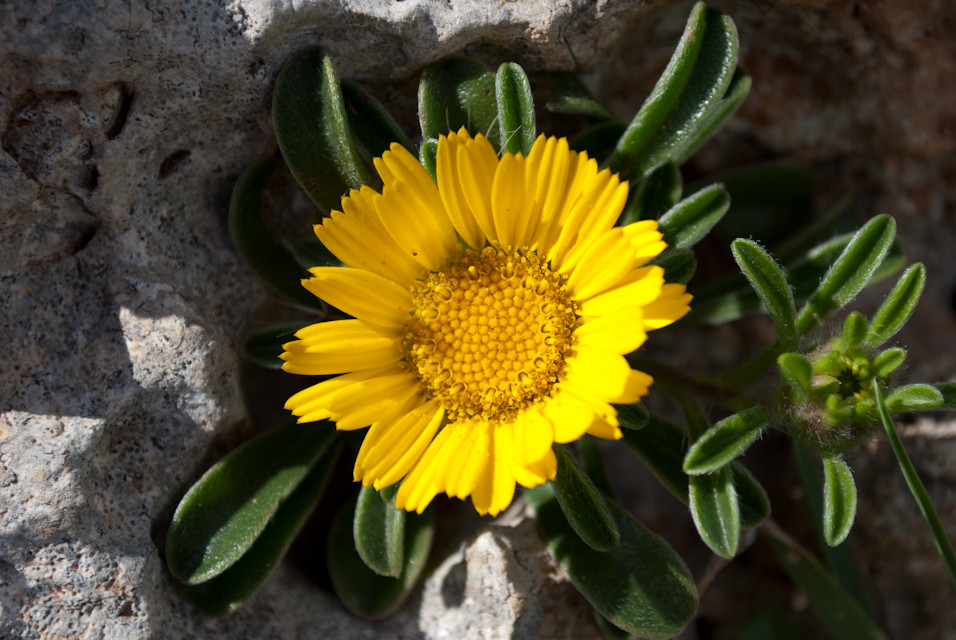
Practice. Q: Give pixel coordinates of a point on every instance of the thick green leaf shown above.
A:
(221, 515)
(855, 267)
(839, 501)
(914, 397)
(258, 247)
(662, 446)
(372, 125)
(264, 346)
(898, 305)
(711, 497)
(679, 265)
(379, 531)
(697, 422)
(688, 221)
(770, 284)
(567, 95)
(594, 465)
(227, 591)
(721, 303)
(641, 586)
(632, 416)
(839, 560)
(769, 205)
(656, 194)
(753, 499)
(888, 361)
(695, 80)
(361, 590)
(948, 391)
(714, 119)
(312, 128)
(456, 93)
(715, 510)
(609, 630)
(805, 274)
(834, 607)
(725, 441)
(797, 371)
(854, 330)
(428, 154)
(515, 109)
(583, 505)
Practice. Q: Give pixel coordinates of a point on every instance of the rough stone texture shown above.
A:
(124, 127)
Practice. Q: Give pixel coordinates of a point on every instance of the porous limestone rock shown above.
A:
(124, 126)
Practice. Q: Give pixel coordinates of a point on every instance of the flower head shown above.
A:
(492, 312)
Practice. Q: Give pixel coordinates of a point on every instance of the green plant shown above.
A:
(239, 518)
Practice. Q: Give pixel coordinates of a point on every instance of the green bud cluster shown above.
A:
(829, 399)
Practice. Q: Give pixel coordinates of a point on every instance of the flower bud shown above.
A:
(833, 408)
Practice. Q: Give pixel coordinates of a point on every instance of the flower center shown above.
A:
(490, 332)
(855, 378)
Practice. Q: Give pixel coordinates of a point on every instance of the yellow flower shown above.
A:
(492, 312)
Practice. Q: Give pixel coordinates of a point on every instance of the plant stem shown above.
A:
(705, 385)
(746, 372)
(916, 486)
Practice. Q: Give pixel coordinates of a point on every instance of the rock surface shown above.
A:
(124, 127)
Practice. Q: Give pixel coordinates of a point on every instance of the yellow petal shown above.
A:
(617, 332)
(310, 404)
(602, 265)
(533, 435)
(569, 415)
(606, 212)
(588, 186)
(383, 398)
(604, 418)
(355, 400)
(339, 346)
(560, 178)
(605, 374)
(646, 239)
(398, 165)
(357, 237)
(592, 401)
(423, 233)
(672, 305)
(363, 294)
(477, 162)
(638, 288)
(496, 487)
(596, 210)
(449, 186)
(467, 455)
(549, 165)
(390, 449)
(538, 472)
(511, 205)
(426, 479)
(602, 429)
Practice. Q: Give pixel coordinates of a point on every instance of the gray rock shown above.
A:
(124, 128)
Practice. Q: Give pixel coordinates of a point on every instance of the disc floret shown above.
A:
(490, 332)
